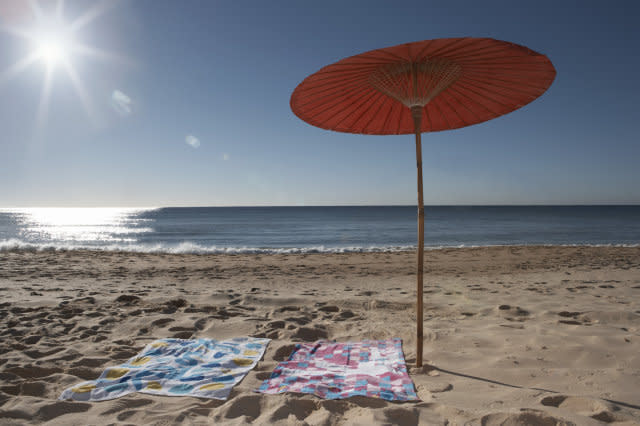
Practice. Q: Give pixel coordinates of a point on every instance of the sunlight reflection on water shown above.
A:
(81, 224)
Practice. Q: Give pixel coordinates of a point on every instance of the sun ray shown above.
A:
(18, 67)
(53, 42)
(80, 90)
(17, 32)
(101, 54)
(86, 18)
(43, 106)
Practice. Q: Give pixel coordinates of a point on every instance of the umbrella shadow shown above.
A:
(496, 382)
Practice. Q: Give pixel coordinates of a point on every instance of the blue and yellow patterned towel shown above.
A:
(203, 368)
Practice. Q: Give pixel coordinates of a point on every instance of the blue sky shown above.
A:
(219, 75)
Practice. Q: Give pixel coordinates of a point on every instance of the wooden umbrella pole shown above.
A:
(416, 112)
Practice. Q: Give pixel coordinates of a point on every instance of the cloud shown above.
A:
(121, 103)
(192, 141)
(225, 156)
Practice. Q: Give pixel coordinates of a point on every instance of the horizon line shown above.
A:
(328, 205)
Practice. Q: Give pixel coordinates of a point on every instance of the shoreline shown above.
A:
(8, 247)
(526, 334)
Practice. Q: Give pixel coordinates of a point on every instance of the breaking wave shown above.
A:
(193, 248)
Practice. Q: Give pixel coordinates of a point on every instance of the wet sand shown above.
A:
(513, 335)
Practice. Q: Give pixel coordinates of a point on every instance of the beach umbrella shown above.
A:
(425, 86)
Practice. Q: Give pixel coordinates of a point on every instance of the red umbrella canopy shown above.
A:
(456, 82)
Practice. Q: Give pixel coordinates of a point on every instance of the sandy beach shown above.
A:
(513, 335)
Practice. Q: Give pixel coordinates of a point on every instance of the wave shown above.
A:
(193, 248)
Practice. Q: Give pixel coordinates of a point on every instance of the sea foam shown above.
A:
(193, 248)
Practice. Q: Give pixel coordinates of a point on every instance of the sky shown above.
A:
(148, 103)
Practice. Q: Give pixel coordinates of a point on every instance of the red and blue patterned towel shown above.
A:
(331, 370)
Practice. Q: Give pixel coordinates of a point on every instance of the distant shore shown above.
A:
(523, 334)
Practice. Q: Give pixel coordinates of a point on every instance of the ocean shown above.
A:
(313, 229)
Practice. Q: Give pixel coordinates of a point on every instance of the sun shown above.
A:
(54, 42)
(52, 50)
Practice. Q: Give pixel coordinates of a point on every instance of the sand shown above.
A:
(513, 335)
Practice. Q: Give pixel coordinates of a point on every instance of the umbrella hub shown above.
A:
(415, 84)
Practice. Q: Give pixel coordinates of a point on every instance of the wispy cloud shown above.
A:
(225, 157)
(192, 141)
(121, 103)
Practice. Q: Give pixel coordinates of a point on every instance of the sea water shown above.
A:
(313, 229)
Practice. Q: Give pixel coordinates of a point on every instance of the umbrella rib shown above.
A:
(485, 107)
(360, 101)
(528, 60)
(470, 78)
(333, 104)
(375, 93)
(451, 91)
(447, 47)
(444, 117)
(482, 51)
(429, 123)
(332, 94)
(386, 120)
(337, 78)
(517, 79)
(443, 99)
(497, 47)
(399, 121)
(377, 63)
(427, 45)
(331, 73)
(373, 116)
(393, 55)
(474, 89)
(502, 83)
(492, 62)
(511, 78)
(324, 91)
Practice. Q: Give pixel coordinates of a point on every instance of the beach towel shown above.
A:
(203, 368)
(331, 370)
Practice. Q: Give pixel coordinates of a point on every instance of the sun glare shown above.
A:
(52, 51)
(55, 43)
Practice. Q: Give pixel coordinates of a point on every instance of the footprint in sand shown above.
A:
(127, 299)
(91, 362)
(84, 373)
(37, 389)
(263, 375)
(513, 313)
(283, 352)
(44, 413)
(161, 322)
(123, 404)
(249, 406)
(299, 320)
(572, 318)
(33, 371)
(310, 334)
(344, 315)
(588, 407)
(300, 409)
(526, 417)
(329, 308)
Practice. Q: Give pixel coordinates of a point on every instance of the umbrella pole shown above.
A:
(416, 112)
